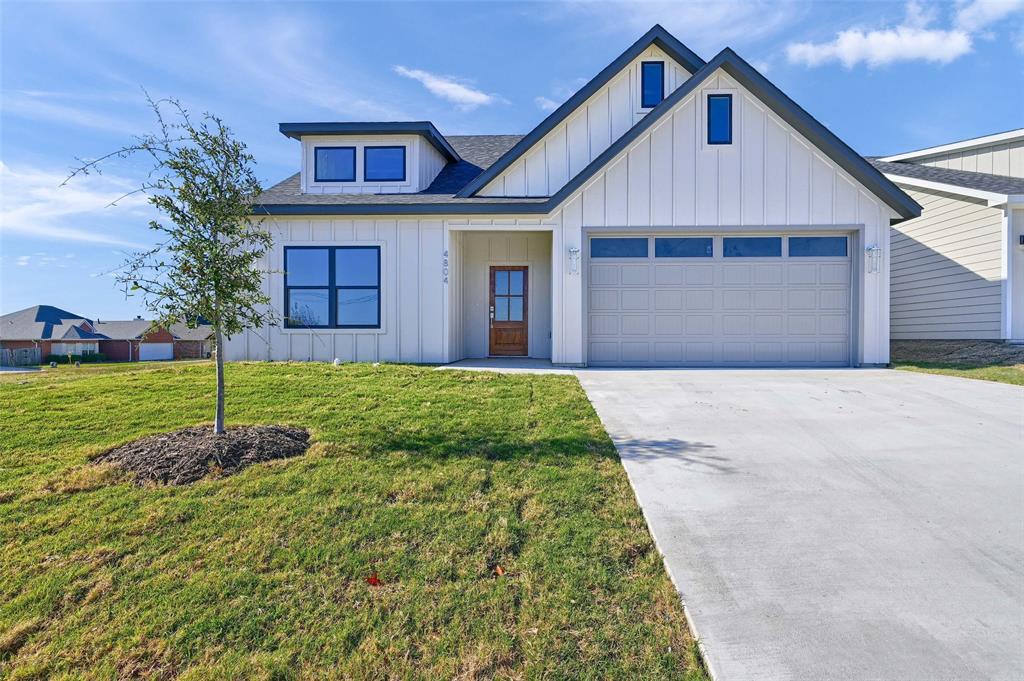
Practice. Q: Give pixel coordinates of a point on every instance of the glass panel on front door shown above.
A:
(508, 296)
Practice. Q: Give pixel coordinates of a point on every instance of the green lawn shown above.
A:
(1002, 373)
(430, 479)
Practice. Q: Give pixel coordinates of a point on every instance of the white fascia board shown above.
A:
(999, 138)
(992, 198)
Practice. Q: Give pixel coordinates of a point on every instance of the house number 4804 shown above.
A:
(444, 267)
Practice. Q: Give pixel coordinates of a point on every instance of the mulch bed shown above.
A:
(187, 455)
(965, 352)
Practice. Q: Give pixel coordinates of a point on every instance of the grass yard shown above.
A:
(1012, 373)
(428, 479)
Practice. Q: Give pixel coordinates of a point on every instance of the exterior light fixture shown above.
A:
(873, 258)
(574, 260)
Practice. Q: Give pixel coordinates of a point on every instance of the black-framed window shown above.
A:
(332, 287)
(652, 83)
(384, 164)
(334, 164)
(719, 119)
(752, 247)
(618, 247)
(684, 247)
(817, 247)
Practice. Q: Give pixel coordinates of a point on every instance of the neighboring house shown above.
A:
(672, 212)
(135, 340)
(29, 336)
(958, 270)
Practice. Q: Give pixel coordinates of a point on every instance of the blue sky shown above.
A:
(884, 76)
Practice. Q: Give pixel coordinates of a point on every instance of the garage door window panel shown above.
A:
(752, 247)
(621, 247)
(684, 247)
(817, 246)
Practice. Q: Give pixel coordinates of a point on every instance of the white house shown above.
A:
(958, 270)
(672, 212)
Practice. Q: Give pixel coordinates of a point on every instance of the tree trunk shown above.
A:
(218, 422)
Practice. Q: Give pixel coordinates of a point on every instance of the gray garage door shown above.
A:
(719, 301)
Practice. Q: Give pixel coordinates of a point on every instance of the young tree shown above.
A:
(206, 262)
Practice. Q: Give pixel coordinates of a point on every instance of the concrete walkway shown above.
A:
(832, 524)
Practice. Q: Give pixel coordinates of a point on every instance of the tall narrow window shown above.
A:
(652, 83)
(384, 164)
(719, 119)
(334, 164)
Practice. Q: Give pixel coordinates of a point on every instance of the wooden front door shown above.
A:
(508, 313)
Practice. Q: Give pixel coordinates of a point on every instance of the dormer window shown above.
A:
(719, 119)
(335, 164)
(652, 83)
(384, 164)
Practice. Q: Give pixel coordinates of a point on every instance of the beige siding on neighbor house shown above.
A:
(998, 159)
(946, 279)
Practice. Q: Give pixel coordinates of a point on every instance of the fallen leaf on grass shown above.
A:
(498, 570)
(373, 580)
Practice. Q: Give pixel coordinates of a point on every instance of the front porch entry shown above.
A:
(500, 294)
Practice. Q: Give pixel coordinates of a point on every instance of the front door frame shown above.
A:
(491, 269)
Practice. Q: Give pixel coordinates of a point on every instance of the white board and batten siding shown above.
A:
(413, 313)
(771, 177)
(567, 149)
(997, 159)
(422, 164)
(946, 274)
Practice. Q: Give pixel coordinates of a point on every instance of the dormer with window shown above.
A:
(369, 158)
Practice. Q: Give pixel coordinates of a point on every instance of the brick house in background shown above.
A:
(29, 336)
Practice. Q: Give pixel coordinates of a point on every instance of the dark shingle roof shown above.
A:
(997, 184)
(42, 322)
(129, 329)
(478, 152)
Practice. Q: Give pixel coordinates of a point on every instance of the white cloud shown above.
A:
(34, 204)
(979, 14)
(450, 88)
(545, 104)
(915, 39)
(296, 63)
(46, 106)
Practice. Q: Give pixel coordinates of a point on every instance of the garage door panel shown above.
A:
(719, 311)
(768, 299)
(834, 274)
(635, 275)
(668, 275)
(768, 274)
(736, 325)
(671, 299)
(668, 325)
(636, 299)
(736, 300)
(699, 275)
(736, 274)
(602, 300)
(700, 299)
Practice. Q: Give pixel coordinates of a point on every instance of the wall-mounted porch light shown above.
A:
(574, 260)
(873, 259)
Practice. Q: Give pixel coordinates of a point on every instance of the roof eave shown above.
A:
(425, 129)
(991, 198)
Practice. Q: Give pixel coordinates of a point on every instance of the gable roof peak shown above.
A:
(657, 35)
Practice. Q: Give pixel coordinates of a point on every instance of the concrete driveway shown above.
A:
(832, 524)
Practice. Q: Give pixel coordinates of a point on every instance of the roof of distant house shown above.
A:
(986, 182)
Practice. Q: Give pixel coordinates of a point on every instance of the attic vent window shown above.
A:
(335, 164)
(719, 119)
(384, 164)
(652, 83)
